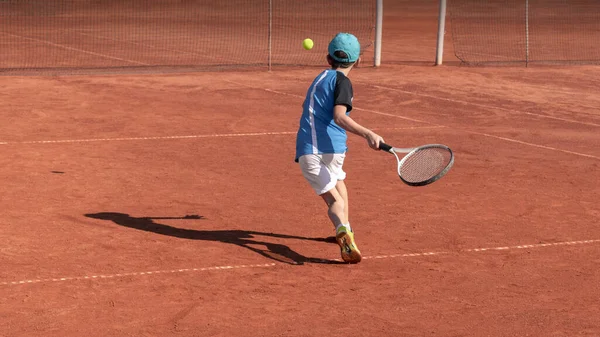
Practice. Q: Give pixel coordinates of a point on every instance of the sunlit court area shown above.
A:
(149, 185)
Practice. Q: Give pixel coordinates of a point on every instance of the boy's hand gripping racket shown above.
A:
(422, 165)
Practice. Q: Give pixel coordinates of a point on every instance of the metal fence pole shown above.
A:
(526, 33)
(270, 33)
(441, 32)
(378, 33)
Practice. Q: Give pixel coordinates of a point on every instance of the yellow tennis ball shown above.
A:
(307, 44)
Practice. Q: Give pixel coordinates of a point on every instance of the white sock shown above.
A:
(347, 226)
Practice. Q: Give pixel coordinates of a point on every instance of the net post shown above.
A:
(378, 33)
(526, 33)
(441, 32)
(270, 34)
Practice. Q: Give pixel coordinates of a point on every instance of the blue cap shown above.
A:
(347, 43)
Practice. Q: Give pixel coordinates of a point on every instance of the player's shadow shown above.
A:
(242, 238)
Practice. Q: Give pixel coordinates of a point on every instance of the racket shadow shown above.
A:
(241, 238)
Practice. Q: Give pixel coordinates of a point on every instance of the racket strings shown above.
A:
(425, 164)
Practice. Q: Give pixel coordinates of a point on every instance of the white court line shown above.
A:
(355, 108)
(107, 276)
(477, 250)
(480, 105)
(441, 125)
(249, 134)
(149, 138)
(400, 117)
(76, 49)
(534, 145)
(222, 268)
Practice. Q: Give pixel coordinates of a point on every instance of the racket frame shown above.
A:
(412, 150)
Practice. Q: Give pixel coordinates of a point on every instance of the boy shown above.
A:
(321, 139)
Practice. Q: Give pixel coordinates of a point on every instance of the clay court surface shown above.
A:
(170, 205)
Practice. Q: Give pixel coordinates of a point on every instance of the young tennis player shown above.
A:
(321, 139)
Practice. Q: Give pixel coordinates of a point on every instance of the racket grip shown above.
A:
(383, 146)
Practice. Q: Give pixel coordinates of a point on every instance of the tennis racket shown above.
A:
(422, 165)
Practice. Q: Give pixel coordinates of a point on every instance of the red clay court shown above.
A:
(170, 204)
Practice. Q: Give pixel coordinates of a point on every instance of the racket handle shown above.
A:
(383, 146)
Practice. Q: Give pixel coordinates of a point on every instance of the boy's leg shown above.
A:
(338, 214)
(336, 207)
(341, 188)
(325, 175)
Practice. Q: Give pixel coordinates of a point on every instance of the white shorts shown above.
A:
(322, 171)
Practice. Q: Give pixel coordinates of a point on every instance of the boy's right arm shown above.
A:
(346, 122)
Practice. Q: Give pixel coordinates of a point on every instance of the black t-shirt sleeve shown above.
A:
(343, 93)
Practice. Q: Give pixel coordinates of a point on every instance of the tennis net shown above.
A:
(156, 35)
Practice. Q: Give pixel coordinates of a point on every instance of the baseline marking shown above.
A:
(141, 273)
(477, 250)
(149, 138)
(265, 265)
(249, 134)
